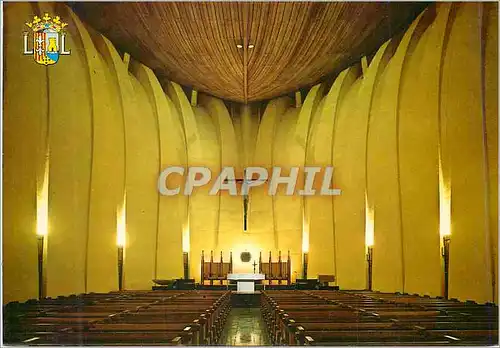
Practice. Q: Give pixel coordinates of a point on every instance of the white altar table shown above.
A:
(246, 281)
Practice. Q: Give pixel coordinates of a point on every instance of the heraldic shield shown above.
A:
(48, 39)
(46, 46)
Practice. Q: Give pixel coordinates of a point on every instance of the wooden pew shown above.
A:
(131, 318)
(352, 317)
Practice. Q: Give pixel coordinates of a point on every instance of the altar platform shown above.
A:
(246, 281)
(245, 299)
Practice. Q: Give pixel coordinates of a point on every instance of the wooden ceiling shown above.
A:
(295, 44)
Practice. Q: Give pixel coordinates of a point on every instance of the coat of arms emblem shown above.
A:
(48, 39)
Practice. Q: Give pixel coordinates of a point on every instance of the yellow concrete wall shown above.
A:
(418, 159)
(204, 208)
(287, 209)
(24, 145)
(317, 236)
(70, 156)
(172, 210)
(230, 212)
(349, 160)
(463, 132)
(108, 156)
(260, 215)
(142, 163)
(101, 125)
(320, 224)
(382, 165)
(490, 66)
(427, 98)
(201, 141)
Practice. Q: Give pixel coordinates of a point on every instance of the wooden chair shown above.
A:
(280, 270)
(217, 271)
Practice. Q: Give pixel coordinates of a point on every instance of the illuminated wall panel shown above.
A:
(172, 210)
(230, 210)
(320, 208)
(490, 63)
(24, 147)
(195, 157)
(425, 104)
(261, 214)
(287, 209)
(349, 156)
(464, 154)
(142, 163)
(70, 142)
(204, 208)
(107, 175)
(418, 160)
(318, 218)
(383, 189)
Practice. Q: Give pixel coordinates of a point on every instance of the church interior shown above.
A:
(400, 99)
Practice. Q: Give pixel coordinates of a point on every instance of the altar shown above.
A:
(245, 281)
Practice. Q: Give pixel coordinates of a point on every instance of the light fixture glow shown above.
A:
(444, 204)
(42, 204)
(369, 224)
(185, 237)
(251, 46)
(121, 223)
(239, 45)
(305, 235)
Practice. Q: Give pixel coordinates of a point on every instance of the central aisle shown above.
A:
(244, 327)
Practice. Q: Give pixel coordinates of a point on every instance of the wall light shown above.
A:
(42, 204)
(186, 246)
(369, 224)
(305, 235)
(185, 264)
(444, 226)
(369, 241)
(305, 246)
(239, 45)
(121, 225)
(251, 46)
(444, 204)
(186, 237)
(42, 226)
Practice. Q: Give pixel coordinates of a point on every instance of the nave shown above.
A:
(289, 317)
(397, 101)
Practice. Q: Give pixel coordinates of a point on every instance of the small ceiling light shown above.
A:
(239, 46)
(251, 46)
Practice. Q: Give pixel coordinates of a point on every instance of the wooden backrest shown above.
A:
(280, 270)
(211, 269)
(326, 278)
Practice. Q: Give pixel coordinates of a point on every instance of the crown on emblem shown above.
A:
(46, 22)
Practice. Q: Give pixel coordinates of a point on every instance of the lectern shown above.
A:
(245, 281)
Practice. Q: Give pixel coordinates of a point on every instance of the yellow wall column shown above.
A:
(25, 118)
(463, 154)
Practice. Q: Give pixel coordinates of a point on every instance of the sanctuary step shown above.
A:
(242, 300)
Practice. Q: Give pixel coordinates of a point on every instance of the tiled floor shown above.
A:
(244, 327)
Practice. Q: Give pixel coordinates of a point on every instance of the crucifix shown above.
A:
(245, 198)
(254, 264)
(245, 202)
